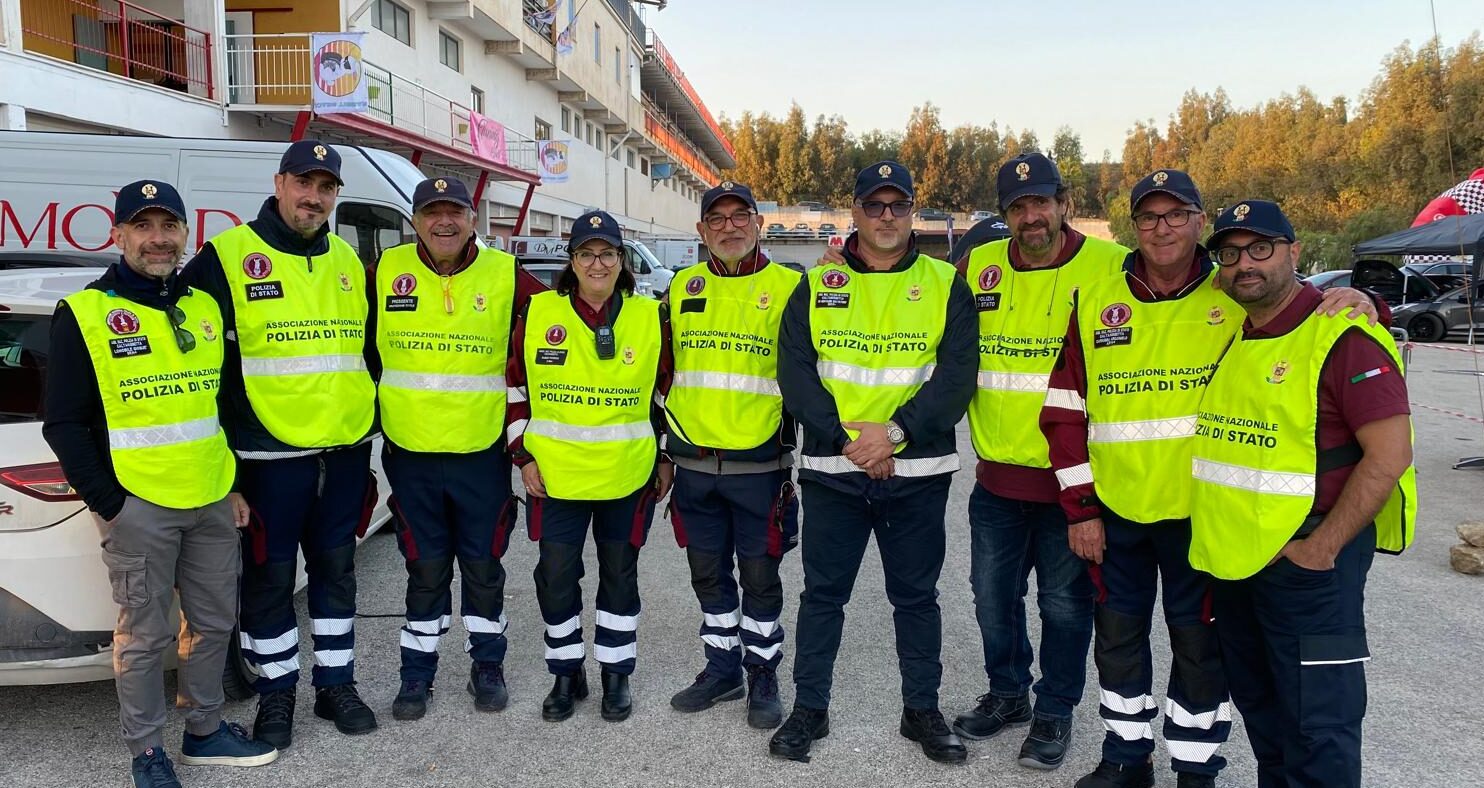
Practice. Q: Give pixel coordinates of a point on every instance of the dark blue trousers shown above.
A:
(754, 517)
(1294, 645)
(910, 535)
(1139, 557)
(318, 503)
(620, 527)
(447, 507)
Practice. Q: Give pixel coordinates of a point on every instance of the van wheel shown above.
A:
(1426, 327)
(236, 678)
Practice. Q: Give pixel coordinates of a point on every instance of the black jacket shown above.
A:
(245, 431)
(928, 419)
(73, 424)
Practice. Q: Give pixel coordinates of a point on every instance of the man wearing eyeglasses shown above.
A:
(1302, 459)
(445, 309)
(1120, 413)
(131, 413)
(877, 362)
(1023, 289)
(299, 408)
(732, 443)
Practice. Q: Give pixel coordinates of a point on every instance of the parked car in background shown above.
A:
(979, 216)
(13, 259)
(1324, 280)
(1446, 275)
(1452, 313)
(932, 215)
(827, 229)
(1396, 286)
(803, 227)
(776, 228)
(813, 205)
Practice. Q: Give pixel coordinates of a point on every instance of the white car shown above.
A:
(56, 608)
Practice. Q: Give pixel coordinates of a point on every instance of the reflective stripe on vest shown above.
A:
(877, 337)
(444, 342)
(159, 402)
(920, 466)
(1255, 462)
(301, 325)
(725, 338)
(1023, 318)
(589, 429)
(1147, 364)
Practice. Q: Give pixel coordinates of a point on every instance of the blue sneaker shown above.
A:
(229, 746)
(152, 769)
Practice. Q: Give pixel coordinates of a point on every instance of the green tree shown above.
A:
(1066, 151)
(925, 152)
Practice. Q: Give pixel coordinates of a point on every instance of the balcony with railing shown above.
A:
(271, 72)
(121, 38)
(665, 84)
(676, 144)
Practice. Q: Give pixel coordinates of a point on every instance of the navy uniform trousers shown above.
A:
(907, 518)
(451, 507)
(320, 503)
(619, 527)
(1294, 645)
(1139, 557)
(754, 517)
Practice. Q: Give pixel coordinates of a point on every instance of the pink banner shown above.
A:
(487, 137)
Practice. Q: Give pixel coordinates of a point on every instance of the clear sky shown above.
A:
(1095, 66)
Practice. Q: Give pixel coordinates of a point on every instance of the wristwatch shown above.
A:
(894, 433)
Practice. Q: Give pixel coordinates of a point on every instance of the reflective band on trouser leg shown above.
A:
(271, 657)
(614, 643)
(719, 634)
(1195, 738)
(423, 635)
(921, 466)
(763, 640)
(1128, 718)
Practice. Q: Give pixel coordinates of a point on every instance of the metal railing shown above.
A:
(625, 12)
(676, 145)
(121, 38)
(274, 69)
(540, 17)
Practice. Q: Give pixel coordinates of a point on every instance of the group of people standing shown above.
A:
(1132, 430)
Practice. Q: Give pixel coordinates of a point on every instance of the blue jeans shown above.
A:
(1009, 538)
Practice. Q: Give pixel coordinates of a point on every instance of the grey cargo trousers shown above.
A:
(151, 551)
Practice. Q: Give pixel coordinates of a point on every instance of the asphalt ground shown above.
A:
(1423, 727)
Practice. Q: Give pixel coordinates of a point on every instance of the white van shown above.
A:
(57, 190)
(650, 277)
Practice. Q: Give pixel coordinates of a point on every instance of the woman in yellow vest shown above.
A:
(586, 364)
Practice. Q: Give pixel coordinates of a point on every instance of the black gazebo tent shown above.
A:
(1450, 235)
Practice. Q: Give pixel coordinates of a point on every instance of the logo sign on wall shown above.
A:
(552, 157)
(339, 83)
(487, 137)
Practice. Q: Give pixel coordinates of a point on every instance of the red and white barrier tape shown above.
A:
(1453, 413)
(1453, 348)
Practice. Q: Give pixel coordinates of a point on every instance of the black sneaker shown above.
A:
(926, 727)
(706, 691)
(274, 725)
(1113, 775)
(411, 702)
(764, 710)
(992, 715)
(152, 769)
(1189, 780)
(1046, 746)
(487, 685)
(803, 727)
(343, 705)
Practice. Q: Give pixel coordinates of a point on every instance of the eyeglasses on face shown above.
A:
(1176, 218)
(1257, 251)
(875, 208)
(184, 339)
(740, 219)
(608, 257)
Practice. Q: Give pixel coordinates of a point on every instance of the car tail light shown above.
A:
(45, 482)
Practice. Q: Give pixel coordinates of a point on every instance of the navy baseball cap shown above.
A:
(140, 196)
(1176, 183)
(1255, 216)
(880, 175)
(595, 224)
(434, 190)
(307, 156)
(727, 189)
(1028, 173)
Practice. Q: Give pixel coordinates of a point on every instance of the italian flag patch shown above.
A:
(1377, 372)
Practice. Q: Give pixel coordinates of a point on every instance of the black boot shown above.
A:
(1113, 775)
(562, 700)
(1191, 780)
(926, 727)
(275, 721)
(764, 710)
(803, 727)
(487, 685)
(411, 702)
(992, 715)
(343, 705)
(707, 691)
(617, 703)
(1046, 745)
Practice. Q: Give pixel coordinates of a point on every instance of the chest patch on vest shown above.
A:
(125, 347)
(257, 291)
(693, 304)
(1109, 337)
(831, 300)
(987, 302)
(404, 303)
(550, 356)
